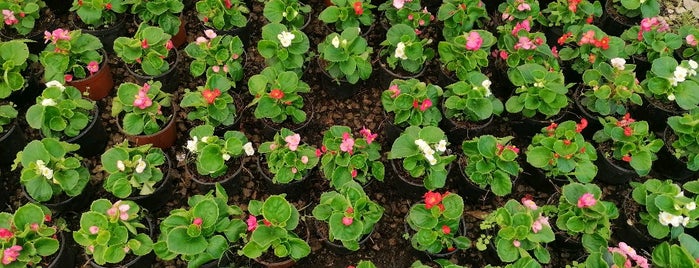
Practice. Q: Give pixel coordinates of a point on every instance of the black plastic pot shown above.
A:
(230, 182)
(387, 75)
(93, 139)
(288, 262)
(338, 89)
(469, 190)
(536, 178)
(271, 128)
(526, 128)
(293, 190)
(169, 79)
(138, 261)
(614, 23)
(75, 203)
(336, 246)
(37, 36)
(593, 124)
(242, 32)
(11, 142)
(611, 173)
(633, 233)
(446, 77)
(162, 193)
(106, 35)
(26, 97)
(642, 66)
(458, 131)
(409, 188)
(65, 257)
(669, 166)
(443, 254)
(655, 114)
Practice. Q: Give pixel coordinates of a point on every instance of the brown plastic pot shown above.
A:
(163, 139)
(181, 37)
(98, 85)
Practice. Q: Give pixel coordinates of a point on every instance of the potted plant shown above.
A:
(13, 64)
(283, 49)
(690, 48)
(344, 59)
(12, 139)
(343, 14)
(583, 215)
(460, 16)
(137, 173)
(162, 13)
(583, 45)
(412, 103)
(425, 156)
(518, 45)
(78, 59)
(140, 115)
(465, 53)
(274, 232)
(150, 48)
(680, 153)
(224, 16)
(668, 255)
(516, 239)
(649, 40)
(499, 158)
(404, 52)
(211, 104)
(202, 233)
(436, 225)
(29, 238)
(629, 141)
(564, 13)
(120, 222)
(100, 18)
(21, 17)
(291, 13)
(276, 94)
(560, 150)
(664, 209)
(636, 8)
(609, 89)
(214, 54)
(346, 158)
(621, 255)
(543, 91)
(469, 106)
(285, 162)
(518, 10)
(53, 174)
(350, 215)
(405, 12)
(673, 81)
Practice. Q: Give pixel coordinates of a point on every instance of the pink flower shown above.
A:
(252, 223)
(528, 203)
(587, 200)
(347, 143)
(536, 227)
(144, 44)
(318, 153)
(142, 100)
(112, 211)
(421, 22)
(5, 234)
(588, 38)
(210, 34)
(10, 254)
(93, 67)
(410, 16)
(47, 36)
(627, 249)
(225, 68)
(215, 68)
(398, 3)
(124, 216)
(292, 141)
(61, 34)
(427, 103)
(9, 17)
(524, 25)
(525, 43)
(353, 173)
(34, 227)
(523, 7)
(201, 40)
(304, 159)
(347, 221)
(554, 51)
(197, 221)
(394, 90)
(474, 41)
(691, 40)
(367, 135)
(169, 45)
(294, 170)
(94, 230)
(516, 243)
(503, 54)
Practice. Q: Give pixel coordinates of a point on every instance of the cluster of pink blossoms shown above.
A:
(648, 24)
(521, 7)
(9, 17)
(10, 254)
(292, 141)
(347, 144)
(540, 222)
(142, 100)
(587, 200)
(474, 41)
(119, 210)
(252, 223)
(629, 254)
(55, 35)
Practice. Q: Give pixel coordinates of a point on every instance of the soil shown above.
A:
(606, 149)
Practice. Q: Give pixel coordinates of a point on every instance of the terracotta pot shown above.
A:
(668, 165)
(293, 190)
(181, 37)
(229, 181)
(98, 85)
(93, 139)
(106, 35)
(162, 193)
(11, 142)
(169, 79)
(164, 138)
(138, 261)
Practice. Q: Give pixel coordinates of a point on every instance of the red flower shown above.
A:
(552, 127)
(603, 43)
(446, 229)
(5, 234)
(427, 103)
(628, 131)
(47, 218)
(318, 153)
(579, 127)
(266, 222)
(276, 94)
(592, 58)
(358, 10)
(144, 43)
(197, 221)
(228, 4)
(566, 142)
(590, 19)
(416, 104)
(432, 199)
(108, 6)
(210, 95)
(626, 158)
(564, 37)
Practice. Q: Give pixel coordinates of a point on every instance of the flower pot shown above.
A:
(470, 191)
(229, 181)
(37, 36)
(668, 165)
(59, 7)
(93, 139)
(11, 142)
(611, 172)
(387, 75)
(288, 262)
(391, 131)
(106, 35)
(137, 261)
(336, 246)
(445, 254)
(26, 97)
(65, 257)
(65, 203)
(98, 85)
(410, 187)
(536, 178)
(526, 128)
(169, 79)
(181, 37)
(293, 190)
(242, 32)
(271, 128)
(162, 193)
(593, 124)
(630, 230)
(446, 77)
(642, 66)
(338, 89)
(614, 23)
(657, 112)
(164, 138)
(457, 130)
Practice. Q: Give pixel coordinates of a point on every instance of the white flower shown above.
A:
(428, 150)
(285, 38)
(671, 97)
(284, 14)
(430, 158)
(120, 165)
(226, 157)
(44, 171)
(676, 221)
(140, 166)
(539, 84)
(248, 149)
(421, 143)
(54, 83)
(336, 42)
(665, 218)
(619, 63)
(205, 139)
(48, 102)
(400, 51)
(680, 194)
(685, 221)
(672, 81)
(693, 64)
(691, 206)
(486, 84)
(680, 73)
(441, 146)
(192, 145)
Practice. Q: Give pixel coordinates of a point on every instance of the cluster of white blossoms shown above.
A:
(486, 84)
(618, 63)
(48, 102)
(54, 83)
(429, 152)
(140, 166)
(45, 171)
(192, 144)
(667, 219)
(400, 51)
(681, 73)
(285, 38)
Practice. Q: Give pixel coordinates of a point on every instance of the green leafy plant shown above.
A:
(133, 168)
(466, 52)
(211, 152)
(686, 146)
(539, 91)
(517, 45)
(443, 263)
(582, 212)
(424, 153)
(637, 8)
(70, 54)
(348, 14)
(651, 39)
(565, 13)
(349, 213)
(413, 103)
(406, 12)
(291, 13)
(437, 222)
(13, 62)
(518, 10)
(287, 158)
(689, 33)
(631, 142)
(491, 161)
(50, 168)
(214, 54)
(520, 228)
(149, 48)
(346, 158)
(586, 44)
(276, 94)
(346, 56)
(141, 107)
(471, 99)
(405, 49)
(664, 208)
(673, 81)
(460, 16)
(611, 88)
(561, 150)
(223, 14)
(283, 48)
(211, 104)
(8, 113)
(98, 13)
(61, 112)
(21, 15)
(203, 232)
(668, 255)
(620, 256)
(279, 220)
(27, 236)
(108, 232)
(163, 13)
